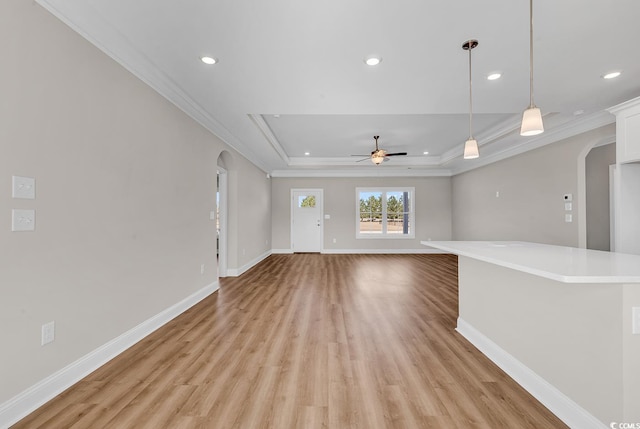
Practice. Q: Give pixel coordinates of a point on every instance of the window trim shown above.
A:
(384, 190)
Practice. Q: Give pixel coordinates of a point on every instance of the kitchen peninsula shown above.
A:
(559, 320)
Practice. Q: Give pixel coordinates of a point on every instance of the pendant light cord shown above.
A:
(470, 97)
(531, 105)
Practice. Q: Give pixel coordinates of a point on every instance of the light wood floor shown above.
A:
(308, 341)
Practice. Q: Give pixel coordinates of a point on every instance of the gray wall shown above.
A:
(432, 205)
(125, 183)
(597, 196)
(531, 188)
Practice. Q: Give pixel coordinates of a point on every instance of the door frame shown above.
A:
(223, 212)
(291, 207)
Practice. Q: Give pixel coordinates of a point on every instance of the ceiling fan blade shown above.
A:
(360, 155)
(363, 159)
(396, 154)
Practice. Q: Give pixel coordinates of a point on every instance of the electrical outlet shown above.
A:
(334, 241)
(48, 333)
(201, 269)
(636, 320)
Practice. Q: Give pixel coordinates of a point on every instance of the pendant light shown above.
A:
(531, 118)
(471, 145)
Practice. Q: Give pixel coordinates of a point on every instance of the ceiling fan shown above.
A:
(378, 156)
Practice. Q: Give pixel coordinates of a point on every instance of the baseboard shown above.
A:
(557, 402)
(235, 272)
(381, 251)
(28, 401)
(281, 251)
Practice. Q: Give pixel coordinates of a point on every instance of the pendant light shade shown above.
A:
(471, 145)
(532, 117)
(531, 122)
(471, 149)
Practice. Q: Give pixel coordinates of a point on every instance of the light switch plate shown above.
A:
(23, 187)
(568, 218)
(23, 220)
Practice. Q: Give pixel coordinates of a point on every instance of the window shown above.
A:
(308, 201)
(385, 213)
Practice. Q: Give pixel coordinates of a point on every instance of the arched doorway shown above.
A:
(222, 211)
(595, 196)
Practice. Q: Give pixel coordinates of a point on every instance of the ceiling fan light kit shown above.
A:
(379, 156)
(532, 117)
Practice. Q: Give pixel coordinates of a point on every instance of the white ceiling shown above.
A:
(291, 77)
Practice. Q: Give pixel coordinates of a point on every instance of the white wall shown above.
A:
(125, 183)
(432, 205)
(530, 206)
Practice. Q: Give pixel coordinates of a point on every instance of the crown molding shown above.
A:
(350, 161)
(82, 16)
(264, 128)
(373, 171)
(492, 135)
(623, 106)
(564, 131)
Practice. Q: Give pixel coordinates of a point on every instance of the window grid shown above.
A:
(385, 213)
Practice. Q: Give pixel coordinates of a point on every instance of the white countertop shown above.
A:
(563, 264)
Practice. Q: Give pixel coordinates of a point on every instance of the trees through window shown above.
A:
(385, 212)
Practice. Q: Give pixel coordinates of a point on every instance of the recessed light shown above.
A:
(307, 153)
(208, 60)
(494, 76)
(276, 115)
(425, 152)
(372, 61)
(611, 75)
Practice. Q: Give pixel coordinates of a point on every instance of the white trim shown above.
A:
(293, 205)
(281, 251)
(384, 234)
(582, 187)
(35, 396)
(525, 144)
(373, 171)
(262, 125)
(557, 402)
(623, 106)
(381, 251)
(86, 21)
(223, 210)
(341, 161)
(235, 272)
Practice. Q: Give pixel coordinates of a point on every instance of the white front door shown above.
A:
(306, 220)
